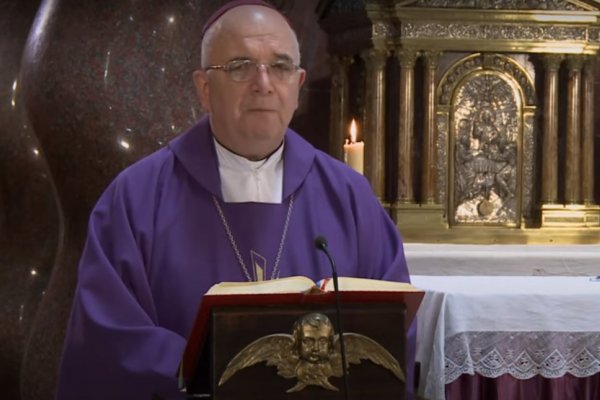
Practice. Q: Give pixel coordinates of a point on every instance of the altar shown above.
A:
(517, 337)
(502, 259)
(478, 124)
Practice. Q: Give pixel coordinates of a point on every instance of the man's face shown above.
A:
(250, 117)
(316, 342)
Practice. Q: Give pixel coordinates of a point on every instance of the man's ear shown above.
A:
(202, 88)
(301, 80)
(302, 77)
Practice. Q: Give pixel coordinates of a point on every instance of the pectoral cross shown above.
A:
(259, 265)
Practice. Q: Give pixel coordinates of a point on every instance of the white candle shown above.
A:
(354, 151)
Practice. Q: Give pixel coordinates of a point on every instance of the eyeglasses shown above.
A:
(245, 70)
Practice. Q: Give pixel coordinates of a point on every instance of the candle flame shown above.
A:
(353, 131)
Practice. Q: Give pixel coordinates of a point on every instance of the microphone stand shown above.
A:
(321, 244)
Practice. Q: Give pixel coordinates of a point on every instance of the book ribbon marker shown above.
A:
(259, 265)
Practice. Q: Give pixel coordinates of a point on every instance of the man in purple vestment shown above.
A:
(238, 197)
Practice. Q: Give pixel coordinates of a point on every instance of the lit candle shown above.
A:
(353, 150)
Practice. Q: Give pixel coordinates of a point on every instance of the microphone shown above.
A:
(321, 244)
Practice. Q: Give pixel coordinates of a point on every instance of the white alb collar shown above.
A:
(243, 180)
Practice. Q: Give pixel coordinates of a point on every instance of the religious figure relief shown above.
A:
(486, 152)
(500, 4)
(311, 354)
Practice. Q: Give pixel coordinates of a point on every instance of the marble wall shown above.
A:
(87, 88)
(29, 213)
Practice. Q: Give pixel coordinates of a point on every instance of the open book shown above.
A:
(295, 291)
(298, 284)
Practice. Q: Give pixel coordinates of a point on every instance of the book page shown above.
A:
(292, 284)
(350, 284)
(298, 284)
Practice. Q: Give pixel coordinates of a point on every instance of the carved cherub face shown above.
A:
(311, 354)
(314, 337)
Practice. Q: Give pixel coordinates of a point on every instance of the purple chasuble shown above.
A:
(156, 243)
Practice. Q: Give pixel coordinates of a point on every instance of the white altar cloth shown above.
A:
(502, 259)
(492, 325)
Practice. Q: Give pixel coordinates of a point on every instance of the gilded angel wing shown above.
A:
(276, 350)
(359, 347)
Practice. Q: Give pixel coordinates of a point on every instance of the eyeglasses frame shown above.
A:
(227, 67)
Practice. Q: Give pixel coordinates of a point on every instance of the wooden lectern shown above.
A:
(226, 324)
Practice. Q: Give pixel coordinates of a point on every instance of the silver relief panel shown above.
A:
(486, 129)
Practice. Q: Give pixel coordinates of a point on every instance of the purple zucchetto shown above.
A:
(230, 5)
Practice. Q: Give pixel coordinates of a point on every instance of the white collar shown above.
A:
(243, 180)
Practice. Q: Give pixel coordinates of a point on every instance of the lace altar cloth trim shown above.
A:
(522, 354)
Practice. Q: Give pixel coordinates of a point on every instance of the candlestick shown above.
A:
(353, 150)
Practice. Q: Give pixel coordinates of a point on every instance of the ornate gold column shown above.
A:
(587, 128)
(573, 142)
(374, 126)
(550, 141)
(407, 59)
(428, 174)
(578, 209)
(339, 104)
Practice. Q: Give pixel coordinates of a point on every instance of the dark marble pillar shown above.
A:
(28, 210)
(106, 83)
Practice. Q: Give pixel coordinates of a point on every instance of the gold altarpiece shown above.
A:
(477, 115)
